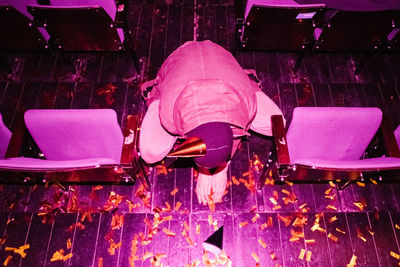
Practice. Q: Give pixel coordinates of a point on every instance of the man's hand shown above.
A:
(218, 184)
(203, 188)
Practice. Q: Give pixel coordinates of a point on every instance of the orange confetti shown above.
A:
(302, 254)
(186, 226)
(285, 192)
(178, 206)
(308, 257)
(360, 184)
(117, 221)
(332, 237)
(59, 255)
(263, 226)
(352, 262)
(276, 207)
(273, 201)
(189, 241)
(286, 220)
(7, 261)
(69, 243)
(100, 262)
(173, 192)
(20, 250)
(397, 226)
(332, 219)
(262, 243)
(331, 207)
(340, 231)
(373, 181)
(255, 257)
(168, 232)
(243, 224)
(255, 217)
(235, 181)
(332, 184)
(289, 183)
(360, 205)
(197, 229)
(395, 255)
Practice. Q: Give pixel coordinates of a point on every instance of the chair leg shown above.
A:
(343, 185)
(138, 170)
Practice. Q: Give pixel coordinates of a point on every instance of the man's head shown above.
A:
(218, 138)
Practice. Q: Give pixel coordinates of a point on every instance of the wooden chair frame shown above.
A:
(281, 168)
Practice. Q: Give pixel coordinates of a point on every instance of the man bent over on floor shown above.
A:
(202, 92)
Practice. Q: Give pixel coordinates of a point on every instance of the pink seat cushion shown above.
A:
(364, 164)
(5, 136)
(74, 134)
(31, 164)
(337, 133)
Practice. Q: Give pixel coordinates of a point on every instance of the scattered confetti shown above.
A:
(255, 217)
(309, 241)
(352, 262)
(332, 219)
(395, 255)
(7, 261)
(197, 229)
(235, 181)
(20, 250)
(397, 226)
(173, 192)
(302, 254)
(332, 237)
(100, 262)
(243, 224)
(273, 256)
(69, 243)
(308, 257)
(361, 184)
(255, 257)
(331, 207)
(262, 243)
(340, 231)
(178, 206)
(168, 232)
(59, 255)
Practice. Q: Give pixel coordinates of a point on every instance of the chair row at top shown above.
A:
(89, 25)
(321, 144)
(285, 25)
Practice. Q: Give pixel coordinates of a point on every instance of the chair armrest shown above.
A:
(130, 132)
(19, 135)
(279, 135)
(389, 140)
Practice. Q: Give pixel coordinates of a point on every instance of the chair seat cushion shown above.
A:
(32, 164)
(364, 164)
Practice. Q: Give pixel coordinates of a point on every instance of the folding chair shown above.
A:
(90, 25)
(79, 146)
(355, 30)
(278, 25)
(17, 31)
(327, 144)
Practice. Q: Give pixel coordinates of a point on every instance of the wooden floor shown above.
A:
(362, 220)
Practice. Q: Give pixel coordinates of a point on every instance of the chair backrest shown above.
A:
(334, 133)
(397, 135)
(108, 5)
(5, 136)
(20, 5)
(68, 134)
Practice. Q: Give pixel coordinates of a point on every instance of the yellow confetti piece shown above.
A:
(328, 191)
(276, 207)
(332, 219)
(302, 254)
(20, 250)
(168, 232)
(273, 256)
(186, 226)
(359, 205)
(289, 183)
(7, 261)
(332, 237)
(352, 262)
(361, 184)
(331, 183)
(273, 201)
(262, 243)
(340, 231)
(285, 220)
(362, 237)
(373, 181)
(397, 226)
(210, 219)
(263, 226)
(331, 207)
(395, 255)
(255, 217)
(173, 192)
(100, 262)
(197, 229)
(189, 241)
(243, 224)
(308, 257)
(286, 192)
(178, 206)
(255, 257)
(309, 241)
